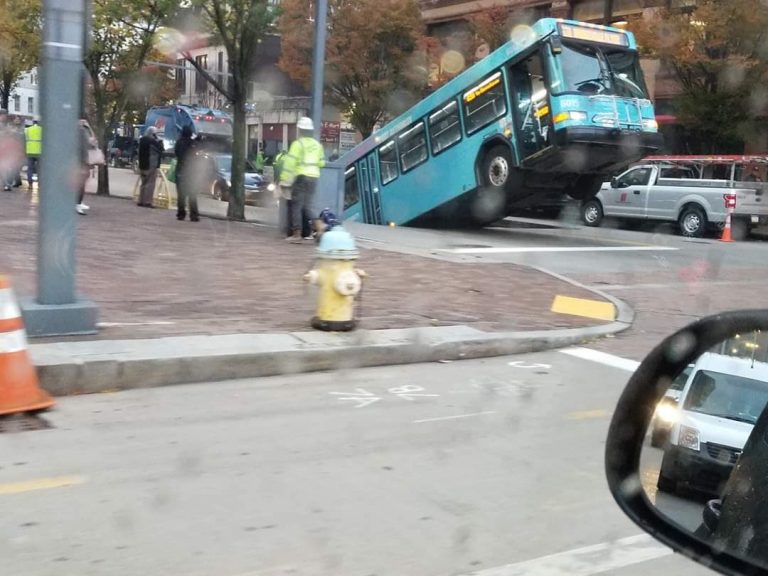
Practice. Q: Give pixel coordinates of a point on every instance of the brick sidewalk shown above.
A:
(154, 276)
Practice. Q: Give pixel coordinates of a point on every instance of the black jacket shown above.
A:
(150, 152)
(184, 151)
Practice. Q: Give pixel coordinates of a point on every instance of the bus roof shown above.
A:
(461, 82)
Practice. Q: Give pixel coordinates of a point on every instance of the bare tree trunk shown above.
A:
(6, 85)
(236, 209)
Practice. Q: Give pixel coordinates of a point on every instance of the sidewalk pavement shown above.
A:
(184, 302)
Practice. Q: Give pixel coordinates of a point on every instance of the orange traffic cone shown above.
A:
(726, 237)
(19, 388)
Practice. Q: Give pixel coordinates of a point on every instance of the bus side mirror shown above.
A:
(556, 44)
(614, 182)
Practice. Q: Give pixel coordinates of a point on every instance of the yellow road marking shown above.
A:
(40, 484)
(587, 414)
(582, 307)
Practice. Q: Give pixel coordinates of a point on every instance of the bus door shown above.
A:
(369, 188)
(373, 175)
(532, 112)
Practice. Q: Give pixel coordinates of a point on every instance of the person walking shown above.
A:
(33, 136)
(185, 177)
(84, 145)
(150, 155)
(10, 151)
(300, 173)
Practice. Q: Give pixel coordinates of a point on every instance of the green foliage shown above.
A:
(121, 40)
(371, 69)
(240, 26)
(719, 55)
(20, 35)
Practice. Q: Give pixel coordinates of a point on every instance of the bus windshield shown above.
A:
(594, 70)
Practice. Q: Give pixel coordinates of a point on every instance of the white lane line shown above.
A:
(602, 358)
(704, 281)
(528, 249)
(456, 417)
(123, 324)
(597, 559)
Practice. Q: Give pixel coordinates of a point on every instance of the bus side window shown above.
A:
(484, 103)
(412, 145)
(388, 162)
(351, 190)
(444, 127)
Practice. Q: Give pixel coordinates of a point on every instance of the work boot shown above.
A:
(295, 238)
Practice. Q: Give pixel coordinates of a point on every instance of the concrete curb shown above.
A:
(70, 368)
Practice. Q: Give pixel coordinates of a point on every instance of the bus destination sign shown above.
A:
(595, 34)
(482, 88)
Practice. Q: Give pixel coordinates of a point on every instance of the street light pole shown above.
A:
(58, 310)
(318, 64)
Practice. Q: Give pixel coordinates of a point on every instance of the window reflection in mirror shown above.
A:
(704, 464)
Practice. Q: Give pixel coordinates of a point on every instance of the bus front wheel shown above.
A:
(490, 200)
(585, 187)
(497, 168)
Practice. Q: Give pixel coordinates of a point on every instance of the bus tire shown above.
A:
(489, 203)
(585, 187)
(692, 221)
(497, 168)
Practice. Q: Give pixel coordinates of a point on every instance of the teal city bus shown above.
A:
(554, 111)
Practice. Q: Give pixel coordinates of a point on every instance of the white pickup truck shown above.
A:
(673, 193)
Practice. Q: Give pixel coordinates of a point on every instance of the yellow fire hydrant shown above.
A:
(338, 279)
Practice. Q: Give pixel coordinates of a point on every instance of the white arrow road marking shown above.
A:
(587, 561)
(362, 397)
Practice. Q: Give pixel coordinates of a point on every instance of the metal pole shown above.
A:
(86, 47)
(318, 64)
(57, 309)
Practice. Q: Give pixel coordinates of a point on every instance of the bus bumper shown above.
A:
(609, 148)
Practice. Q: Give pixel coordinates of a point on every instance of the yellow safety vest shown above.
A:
(305, 157)
(34, 137)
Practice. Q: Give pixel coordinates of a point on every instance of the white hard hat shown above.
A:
(305, 123)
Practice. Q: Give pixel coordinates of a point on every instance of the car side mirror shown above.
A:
(614, 182)
(687, 449)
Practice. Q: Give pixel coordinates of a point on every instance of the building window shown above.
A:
(444, 127)
(589, 10)
(388, 162)
(30, 105)
(16, 103)
(33, 78)
(220, 67)
(181, 75)
(484, 103)
(200, 81)
(413, 147)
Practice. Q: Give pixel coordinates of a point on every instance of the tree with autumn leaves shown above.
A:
(20, 34)
(372, 68)
(122, 40)
(718, 53)
(240, 26)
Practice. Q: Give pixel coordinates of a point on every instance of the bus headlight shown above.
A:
(271, 187)
(650, 124)
(573, 115)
